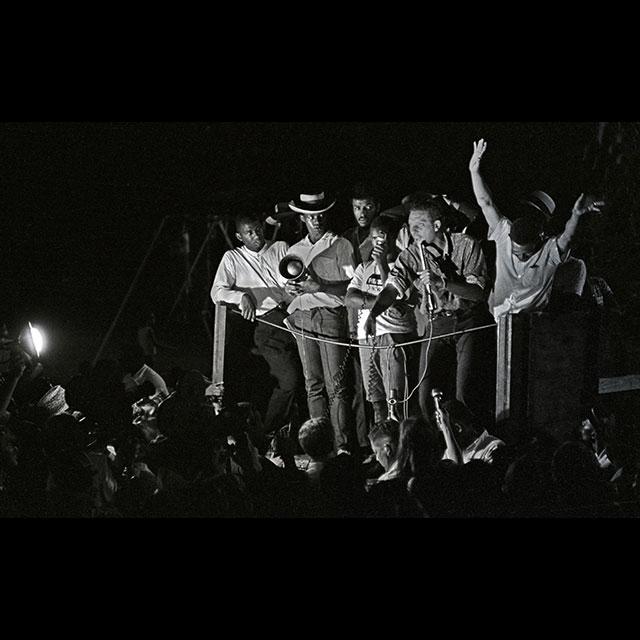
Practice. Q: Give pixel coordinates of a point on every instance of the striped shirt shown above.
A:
(466, 255)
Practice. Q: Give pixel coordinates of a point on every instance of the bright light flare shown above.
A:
(37, 338)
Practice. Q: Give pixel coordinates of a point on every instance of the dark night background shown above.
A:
(82, 200)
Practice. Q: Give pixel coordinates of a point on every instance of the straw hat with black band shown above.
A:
(310, 203)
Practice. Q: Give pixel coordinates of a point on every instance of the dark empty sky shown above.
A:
(80, 200)
(60, 173)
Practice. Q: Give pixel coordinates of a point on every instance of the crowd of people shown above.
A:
(389, 329)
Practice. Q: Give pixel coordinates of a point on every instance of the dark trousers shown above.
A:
(461, 366)
(327, 368)
(279, 349)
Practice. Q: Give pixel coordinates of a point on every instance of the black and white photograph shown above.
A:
(320, 320)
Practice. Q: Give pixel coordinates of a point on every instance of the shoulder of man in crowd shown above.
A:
(231, 254)
(459, 237)
(280, 246)
(341, 240)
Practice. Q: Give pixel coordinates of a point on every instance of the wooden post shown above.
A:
(544, 372)
(619, 383)
(503, 368)
(217, 369)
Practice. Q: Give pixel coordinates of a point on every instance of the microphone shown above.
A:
(430, 305)
(392, 401)
(436, 394)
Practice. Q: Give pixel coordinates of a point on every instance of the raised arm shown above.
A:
(582, 205)
(480, 189)
(453, 451)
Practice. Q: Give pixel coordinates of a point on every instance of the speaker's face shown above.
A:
(422, 226)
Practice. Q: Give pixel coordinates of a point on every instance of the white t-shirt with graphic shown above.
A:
(398, 318)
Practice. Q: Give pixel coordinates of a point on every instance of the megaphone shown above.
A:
(292, 268)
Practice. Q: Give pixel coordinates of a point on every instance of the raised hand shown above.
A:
(379, 252)
(478, 150)
(284, 446)
(587, 203)
(248, 308)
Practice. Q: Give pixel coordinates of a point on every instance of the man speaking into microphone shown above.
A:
(449, 273)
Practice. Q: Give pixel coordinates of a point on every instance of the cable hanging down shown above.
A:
(367, 346)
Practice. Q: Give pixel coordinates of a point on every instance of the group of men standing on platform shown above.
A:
(394, 307)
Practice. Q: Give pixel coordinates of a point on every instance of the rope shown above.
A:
(366, 346)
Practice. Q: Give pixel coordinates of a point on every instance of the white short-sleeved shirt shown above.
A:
(398, 318)
(331, 259)
(521, 286)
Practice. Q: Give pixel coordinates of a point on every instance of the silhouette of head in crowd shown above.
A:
(384, 442)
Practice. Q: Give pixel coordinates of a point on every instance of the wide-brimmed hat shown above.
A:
(312, 203)
(541, 201)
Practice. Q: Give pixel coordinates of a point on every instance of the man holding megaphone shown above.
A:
(318, 270)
